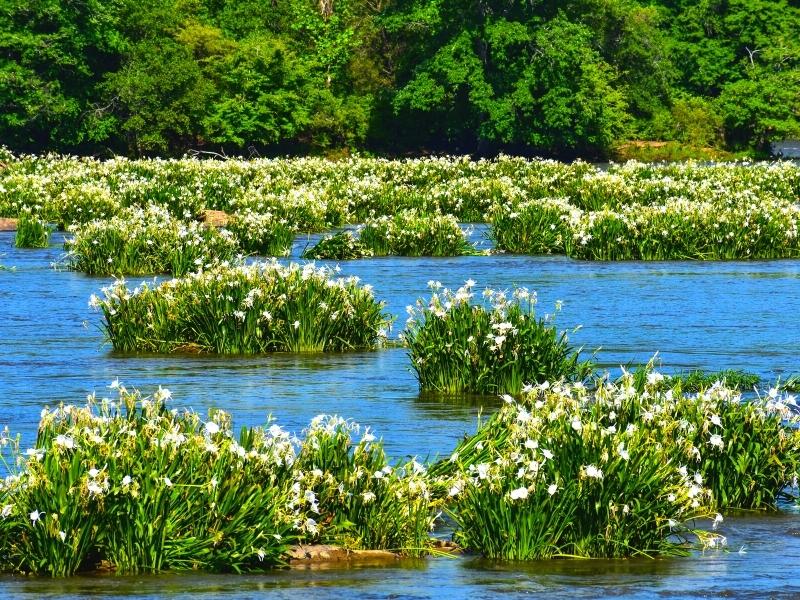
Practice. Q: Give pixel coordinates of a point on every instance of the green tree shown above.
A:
(52, 56)
(162, 96)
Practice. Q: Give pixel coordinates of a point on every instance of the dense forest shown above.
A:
(563, 78)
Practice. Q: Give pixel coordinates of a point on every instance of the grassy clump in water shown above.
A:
(32, 232)
(363, 501)
(694, 381)
(532, 227)
(744, 451)
(146, 490)
(565, 483)
(144, 242)
(343, 245)
(261, 234)
(139, 488)
(615, 471)
(249, 309)
(414, 233)
(495, 346)
(791, 384)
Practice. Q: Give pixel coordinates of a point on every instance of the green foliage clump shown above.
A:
(261, 234)
(696, 380)
(144, 242)
(616, 470)
(565, 483)
(497, 346)
(82, 203)
(245, 310)
(343, 245)
(532, 227)
(32, 232)
(363, 500)
(411, 233)
(130, 485)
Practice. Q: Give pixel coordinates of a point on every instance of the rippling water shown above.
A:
(696, 315)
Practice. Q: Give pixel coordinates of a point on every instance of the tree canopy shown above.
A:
(563, 78)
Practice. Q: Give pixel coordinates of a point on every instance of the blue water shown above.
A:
(739, 315)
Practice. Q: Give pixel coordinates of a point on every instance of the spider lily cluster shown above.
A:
(624, 467)
(245, 309)
(412, 207)
(131, 485)
(621, 468)
(494, 343)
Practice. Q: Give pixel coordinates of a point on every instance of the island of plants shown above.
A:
(617, 468)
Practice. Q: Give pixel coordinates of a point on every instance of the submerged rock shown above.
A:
(322, 554)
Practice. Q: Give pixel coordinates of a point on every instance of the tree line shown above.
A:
(555, 77)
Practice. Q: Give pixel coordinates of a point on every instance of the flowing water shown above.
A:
(720, 315)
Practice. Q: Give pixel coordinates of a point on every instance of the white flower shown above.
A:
(296, 324)
(593, 472)
(261, 554)
(162, 394)
(547, 454)
(483, 470)
(717, 520)
(368, 497)
(576, 424)
(167, 482)
(35, 516)
(65, 441)
(716, 420)
(211, 428)
(623, 453)
(93, 473)
(716, 441)
(311, 526)
(62, 535)
(519, 493)
(552, 489)
(456, 489)
(127, 480)
(507, 398)
(716, 541)
(6, 510)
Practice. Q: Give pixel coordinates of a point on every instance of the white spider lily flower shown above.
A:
(519, 493)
